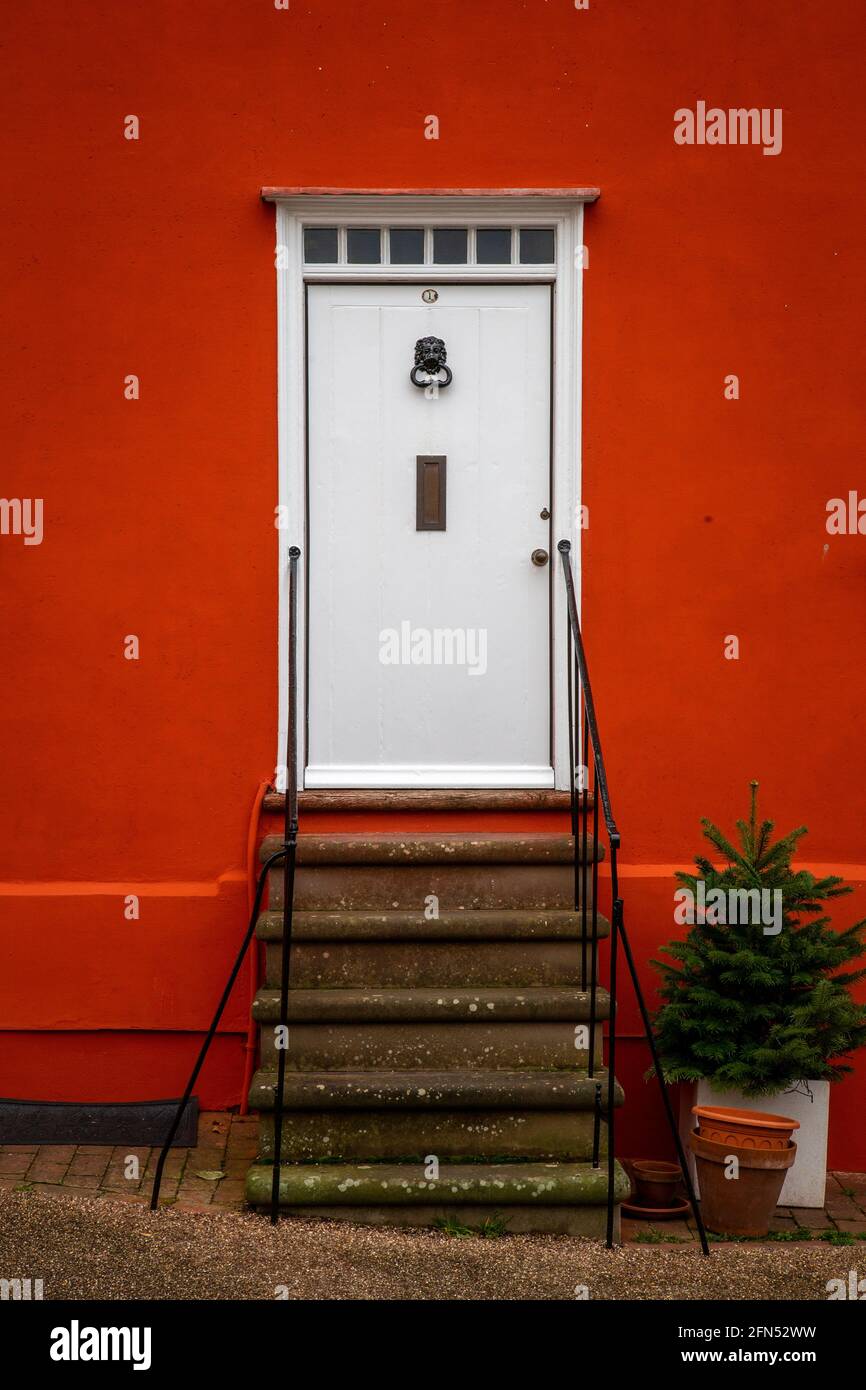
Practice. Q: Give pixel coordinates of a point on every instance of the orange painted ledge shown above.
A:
(856, 872)
(212, 888)
(84, 888)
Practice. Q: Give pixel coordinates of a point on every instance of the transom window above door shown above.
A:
(429, 246)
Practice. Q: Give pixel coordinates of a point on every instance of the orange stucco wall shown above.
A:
(706, 516)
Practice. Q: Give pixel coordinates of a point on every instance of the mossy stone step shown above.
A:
(426, 964)
(410, 887)
(456, 847)
(458, 1184)
(431, 1090)
(402, 873)
(471, 1006)
(506, 924)
(363, 1136)
(433, 1046)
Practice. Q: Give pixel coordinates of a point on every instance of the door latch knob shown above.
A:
(539, 557)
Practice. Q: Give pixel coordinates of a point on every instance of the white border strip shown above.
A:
(567, 278)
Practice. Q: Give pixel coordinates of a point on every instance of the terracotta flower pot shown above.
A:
(656, 1181)
(746, 1129)
(741, 1206)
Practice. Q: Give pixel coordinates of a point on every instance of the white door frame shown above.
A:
(565, 213)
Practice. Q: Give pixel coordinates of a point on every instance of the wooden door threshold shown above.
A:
(421, 799)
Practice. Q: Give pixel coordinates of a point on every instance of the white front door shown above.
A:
(428, 622)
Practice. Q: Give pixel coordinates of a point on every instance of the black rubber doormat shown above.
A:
(144, 1123)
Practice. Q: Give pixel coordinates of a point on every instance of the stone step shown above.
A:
(427, 965)
(433, 1046)
(568, 1198)
(352, 924)
(471, 1006)
(410, 874)
(413, 887)
(455, 847)
(431, 1090)
(345, 1136)
(436, 1009)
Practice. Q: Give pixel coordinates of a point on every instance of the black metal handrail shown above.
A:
(580, 692)
(287, 854)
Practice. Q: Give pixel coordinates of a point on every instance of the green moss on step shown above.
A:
(558, 1184)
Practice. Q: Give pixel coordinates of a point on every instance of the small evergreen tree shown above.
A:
(751, 1011)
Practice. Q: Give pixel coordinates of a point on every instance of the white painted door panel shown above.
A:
(386, 707)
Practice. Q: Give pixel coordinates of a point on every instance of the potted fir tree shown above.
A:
(758, 1011)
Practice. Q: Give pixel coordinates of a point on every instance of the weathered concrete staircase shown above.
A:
(423, 1044)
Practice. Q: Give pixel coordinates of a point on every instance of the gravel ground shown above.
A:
(104, 1249)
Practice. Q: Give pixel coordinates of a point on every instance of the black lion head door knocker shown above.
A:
(430, 357)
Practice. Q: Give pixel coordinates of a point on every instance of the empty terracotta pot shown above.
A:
(747, 1129)
(656, 1181)
(741, 1205)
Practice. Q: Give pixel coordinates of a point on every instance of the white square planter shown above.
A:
(808, 1102)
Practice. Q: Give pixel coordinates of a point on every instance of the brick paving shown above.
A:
(211, 1177)
(844, 1212)
(226, 1145)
